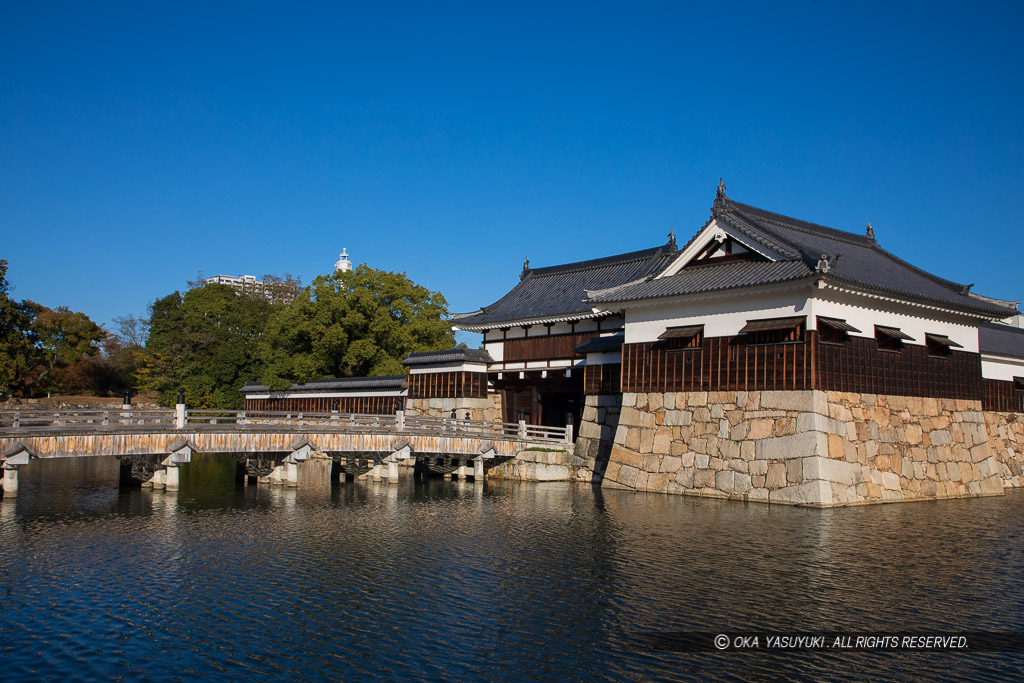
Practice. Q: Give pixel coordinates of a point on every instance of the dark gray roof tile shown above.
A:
(559, 291)
(448, 356)
(732, 275)
(611, 342)
(336, 384)
(1001, 340)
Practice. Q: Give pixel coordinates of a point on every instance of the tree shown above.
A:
(132, 330)
(65, 337)
(356, 323)
(205, 342)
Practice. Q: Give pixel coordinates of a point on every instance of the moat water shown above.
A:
(454, 581)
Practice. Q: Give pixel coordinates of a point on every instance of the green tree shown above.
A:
(358, 323)
(205, 342)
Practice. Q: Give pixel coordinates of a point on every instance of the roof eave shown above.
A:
(543, 320)
(863, 288)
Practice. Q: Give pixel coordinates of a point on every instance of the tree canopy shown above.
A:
(363, 322)
(213, 339)
(205, 342)
(37, 342)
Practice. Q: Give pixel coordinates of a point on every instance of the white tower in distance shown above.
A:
(343, 264)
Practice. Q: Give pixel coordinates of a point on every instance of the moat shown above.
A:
(450, 580)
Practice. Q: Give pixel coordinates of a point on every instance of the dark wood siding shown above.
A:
(859, 366)
(720, 364)
(550, 347)
(371, 405)
(602, 379)
(1001, 395)
(448, 385)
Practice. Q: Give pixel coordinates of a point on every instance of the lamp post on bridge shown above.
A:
(179, 410)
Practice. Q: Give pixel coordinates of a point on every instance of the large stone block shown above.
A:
(827, 469)
(818, 493)
(803, 401)
(670, 464)
(794, 446)
(697, 398)
(662, 441)
(626, 456)
(813, 422)
(776, 475)
(759, 429)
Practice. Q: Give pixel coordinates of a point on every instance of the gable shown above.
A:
(718, 242)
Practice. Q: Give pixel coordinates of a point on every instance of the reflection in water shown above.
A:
(460, 580)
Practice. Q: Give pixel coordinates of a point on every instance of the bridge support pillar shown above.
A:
(11, 464)
(461, 471)
(159, 480)
(181, 453)
(375, 472)
(486, 453)
(10, 482)
(291, 474)
(171, 479)
(402, 452)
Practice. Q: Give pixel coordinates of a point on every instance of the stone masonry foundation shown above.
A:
(796, 447)
(486, 409)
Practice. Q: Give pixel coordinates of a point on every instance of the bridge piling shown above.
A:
(10, 482)
(11, 464)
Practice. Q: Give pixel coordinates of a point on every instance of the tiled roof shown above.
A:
(611, 342)
(336, 384)
(448, 356)
(1001, 340)
(557, 292)
(856, 261)
(732, 275)
(861, 261)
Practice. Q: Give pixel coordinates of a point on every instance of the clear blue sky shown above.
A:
(141, 143)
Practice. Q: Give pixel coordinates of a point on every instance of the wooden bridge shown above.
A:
(268, 445)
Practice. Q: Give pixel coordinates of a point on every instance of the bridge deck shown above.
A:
(48, 434)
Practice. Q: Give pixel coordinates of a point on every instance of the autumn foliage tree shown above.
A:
(38, 343)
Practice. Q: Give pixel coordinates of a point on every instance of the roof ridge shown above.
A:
(784, 221)
(598, 262)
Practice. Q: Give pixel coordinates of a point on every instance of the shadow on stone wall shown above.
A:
(597, 434)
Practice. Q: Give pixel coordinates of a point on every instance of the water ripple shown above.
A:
(452, 581)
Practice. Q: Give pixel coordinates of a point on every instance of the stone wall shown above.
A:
(486, 409)
(791, 447)
(1006, 439)
(536, 464)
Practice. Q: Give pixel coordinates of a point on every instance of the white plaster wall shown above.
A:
(721, 316)
(604, 358)
(1001, 367)
(448, 367)
(496, 349)
(724, 316)
(864, 313)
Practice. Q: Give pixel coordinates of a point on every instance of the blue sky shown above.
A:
(140, 144)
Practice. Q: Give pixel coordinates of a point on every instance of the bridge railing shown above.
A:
(19, 419)
(75, 419)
